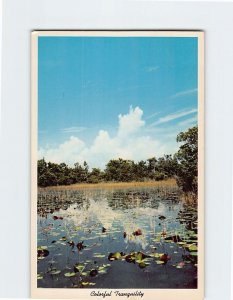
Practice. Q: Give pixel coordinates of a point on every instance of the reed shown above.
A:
(114, 185)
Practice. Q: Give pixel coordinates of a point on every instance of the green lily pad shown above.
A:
(143, 265)
(139, 256)
(99, 255)
(114, 256)
(103, 271)
(42, 253)
(85, 283)
(156, 255)
(55, 272)
(69, 274)
(101, 268)
(42, 248)
(193, 247)
(78, 267)
(106, 265)
(84, 273)
(159, 262)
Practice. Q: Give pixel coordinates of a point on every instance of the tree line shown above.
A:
(182, 166)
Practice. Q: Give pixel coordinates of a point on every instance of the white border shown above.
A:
(0, 61)
(19, 18)
(163, 294)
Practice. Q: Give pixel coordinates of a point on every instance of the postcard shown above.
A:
(117, 164)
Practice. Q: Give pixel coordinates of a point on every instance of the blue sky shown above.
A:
(92, 85)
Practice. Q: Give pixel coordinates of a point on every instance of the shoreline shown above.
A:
(113, 185)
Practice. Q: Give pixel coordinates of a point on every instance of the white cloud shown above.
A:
(152, 68)
(174, 116)
(73, 129)
(131, 122)
(66, 152)
(183, 93)
(130, 142)
(152, 115)
(188, 122)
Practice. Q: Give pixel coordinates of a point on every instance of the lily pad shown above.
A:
(78, 268)
(174, 238)
(69, 274)
(55, 272)
(181, 243)
(159, 262)
(99, 255)
(84, 273)
(86, 283)
(42, 253)
(143, 265)
(114, 256)
(193, 247)
(103, 271)
(156, 255)
(42, 248)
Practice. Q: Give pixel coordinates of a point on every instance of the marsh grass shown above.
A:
(115, 185)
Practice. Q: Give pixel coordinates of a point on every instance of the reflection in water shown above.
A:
(123, 222)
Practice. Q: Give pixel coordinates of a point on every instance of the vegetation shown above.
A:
(168, 185)
(182, 166)
(187, 161)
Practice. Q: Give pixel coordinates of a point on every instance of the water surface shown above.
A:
(123, 238)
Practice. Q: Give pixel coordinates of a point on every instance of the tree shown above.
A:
(187, 160)
(182, 166)
(140, 170)
(85, 171)
(119, 170)
(81, 172)
(42, 172)
(95, 176)
(167, 165)
(151, 168)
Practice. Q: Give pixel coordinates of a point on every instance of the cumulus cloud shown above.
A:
(66, 152)
(131, 122)
(130, 142)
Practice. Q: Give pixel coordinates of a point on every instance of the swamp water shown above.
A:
(122, 238)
